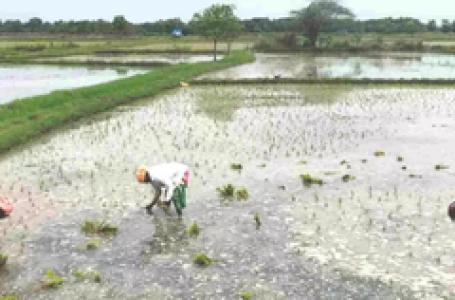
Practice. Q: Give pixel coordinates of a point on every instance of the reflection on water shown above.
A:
(25, 81)
(373, 65)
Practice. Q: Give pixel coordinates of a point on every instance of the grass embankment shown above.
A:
(24, 119)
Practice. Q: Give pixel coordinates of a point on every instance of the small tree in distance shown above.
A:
(217, 23)
(313, 18)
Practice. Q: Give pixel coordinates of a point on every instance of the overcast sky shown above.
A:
(137, 11)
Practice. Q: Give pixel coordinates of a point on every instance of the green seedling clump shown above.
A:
(347, 178)
(399, 158)
(3, 260)
(226, 191)
(246, 295)
(257, 219)
(309, 180)
(237, 167)
(202, 260)
(9, 297)
(93, 276)
(93, 244)
(379, 153)
(242, 194)
(99, 228)
(194, 230)
(441, 167)
(51, 280)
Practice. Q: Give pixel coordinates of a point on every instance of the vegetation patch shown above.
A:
(93, 244)
(441, 167)
(347, 178)
(242, 194)
(237, 167)
(246, 295)
(308, 180)
(231, 192)
(202, 260)
(3, 260)
(51, 280)
(194, 230)
(99, 228)
(9, 297)
(92, 276)
(379, 153)
(399, 159)
(257, 220)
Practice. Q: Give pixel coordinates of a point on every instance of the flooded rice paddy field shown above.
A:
(374, 66)
(382, 233)
(146, 58)
(20, 81)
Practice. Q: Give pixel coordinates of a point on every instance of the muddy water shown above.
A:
(24, 81)
(384, 235)
(161, 58)
(374, 65)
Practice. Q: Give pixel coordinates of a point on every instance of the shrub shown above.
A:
(202, 260)
(100, 228)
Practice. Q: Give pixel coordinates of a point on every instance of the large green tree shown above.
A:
(218, 23)
(317, 15)
(120, 24)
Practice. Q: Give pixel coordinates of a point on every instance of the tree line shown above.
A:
(119, 25)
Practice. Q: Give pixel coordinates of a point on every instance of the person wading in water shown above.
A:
(172, 178)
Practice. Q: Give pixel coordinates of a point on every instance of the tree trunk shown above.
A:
(214, 49)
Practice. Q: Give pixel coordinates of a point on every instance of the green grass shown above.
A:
(22, 120)
(99, 228)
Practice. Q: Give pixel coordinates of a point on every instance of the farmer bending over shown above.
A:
(173, 177)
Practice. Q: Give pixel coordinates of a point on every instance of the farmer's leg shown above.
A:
(156, 196)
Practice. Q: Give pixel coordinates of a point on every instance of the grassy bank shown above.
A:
(22, 120)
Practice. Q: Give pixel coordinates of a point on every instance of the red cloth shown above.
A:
(6, 206)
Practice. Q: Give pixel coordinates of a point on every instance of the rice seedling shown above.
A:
(226, 191)
(399, 159)
(3, 260)
(246, 295)
(308, 180)
(91, 275)
(194, 230)
(379, 153)
(51, 280)
(242, 194)
(99, 228)
(9, 297)
(237, 167)
(202, 260)
(257, 220)
(93, 244)
(347, 178)
(441, 167)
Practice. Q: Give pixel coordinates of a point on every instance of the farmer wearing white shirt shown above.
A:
(173, 177)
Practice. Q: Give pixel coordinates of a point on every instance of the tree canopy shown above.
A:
(316, 16)
(217, 22)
